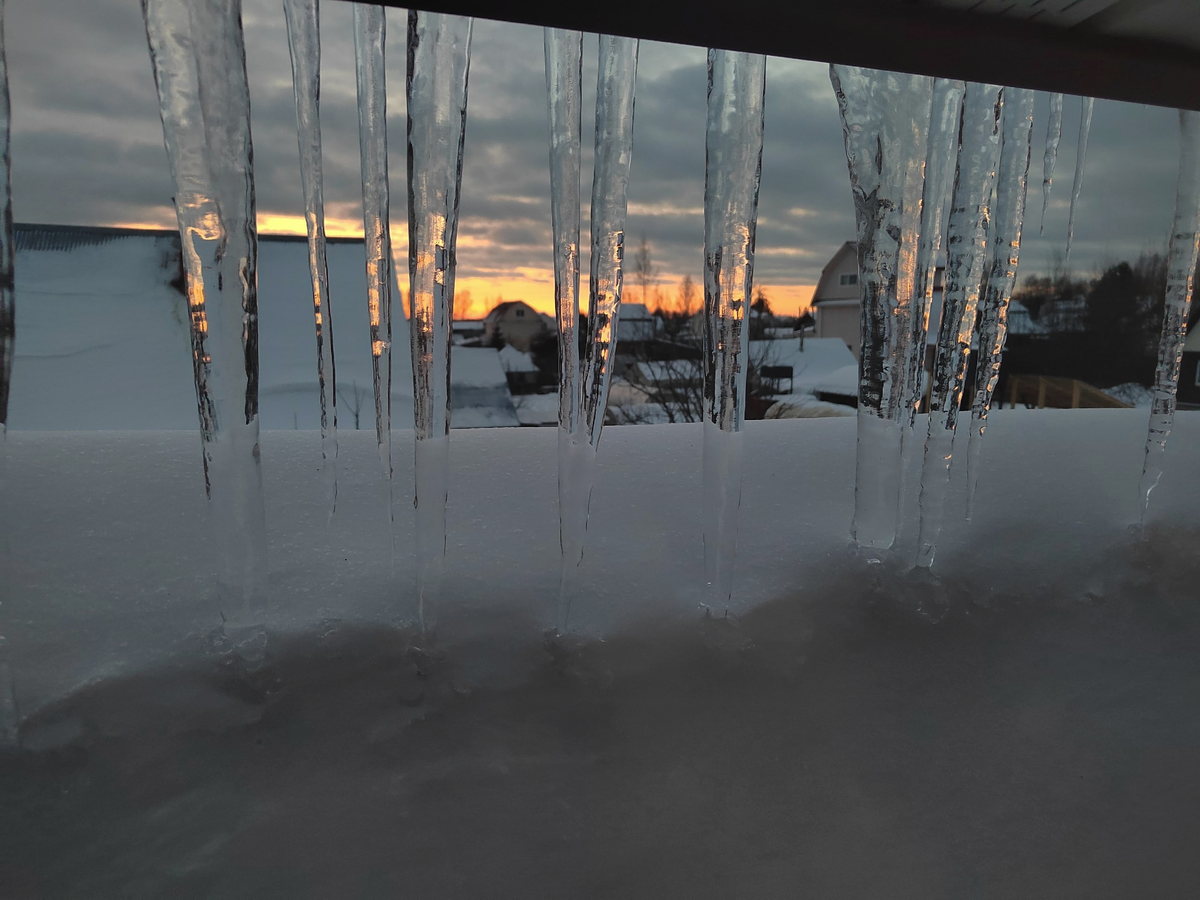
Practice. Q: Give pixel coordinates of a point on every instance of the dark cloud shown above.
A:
(87, 145)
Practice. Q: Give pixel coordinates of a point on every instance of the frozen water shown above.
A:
(200, 71)
(615, 84)
(885, 122)
(1007, 220)
(1086, 105)
(439, 56)
(733, 153)
(7, 307)
(1050, 155)
(370, 38)
(304, 43)
(564, 78)
(1181, 275)
(966, 250)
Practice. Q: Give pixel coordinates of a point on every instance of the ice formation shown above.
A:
(733, 153)
(615, 84)
(564, 79)
(439, 55)
(1007, 220)
(966, 250)
(885, 122)
(370, 36)
(940, 159)
(200, 71)
(1181, 274)
(1086, 105)
(304, 43)
(1050, 155)
(7, 307)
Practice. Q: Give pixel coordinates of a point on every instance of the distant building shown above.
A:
(522, 372)
(837, 301)
(467, 332)
(513, 322)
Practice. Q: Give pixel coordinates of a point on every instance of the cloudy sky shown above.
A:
(87, 149)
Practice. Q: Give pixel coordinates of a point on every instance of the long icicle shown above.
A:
(200, 72)
(9, 734)
(1181, 275)
(940, 159)
(439, 56)
(1086, 105)
(304, 43)
(615, 84)
(564, 77)
(1007, 222)
(885, 121)
(369, 41)
(979, 151)
(733, 153)
(1050, 156)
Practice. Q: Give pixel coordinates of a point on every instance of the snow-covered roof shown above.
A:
(819, 358)
(102, 300)
(514, 360)
(1192, 344)
(843, 382)
(1021, 322)
(537, 409)
(634, 311)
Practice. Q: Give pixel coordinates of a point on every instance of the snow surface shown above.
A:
(1021, 724)
(102, 342)
(818, 359)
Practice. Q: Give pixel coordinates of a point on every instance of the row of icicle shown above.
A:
(936, 166)
(941, 166)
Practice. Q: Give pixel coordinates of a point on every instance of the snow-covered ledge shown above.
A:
(1027, 718)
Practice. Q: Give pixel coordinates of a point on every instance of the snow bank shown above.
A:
(1023, 724)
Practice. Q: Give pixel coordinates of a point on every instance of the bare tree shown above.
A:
(356, 404)
(643, 267)
(686, 299)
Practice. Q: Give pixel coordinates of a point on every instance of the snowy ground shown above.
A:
(1022, 725)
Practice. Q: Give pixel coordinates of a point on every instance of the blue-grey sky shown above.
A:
(87, 149)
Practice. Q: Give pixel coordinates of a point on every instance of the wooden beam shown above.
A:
(889, 34)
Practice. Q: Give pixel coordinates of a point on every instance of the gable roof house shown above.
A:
(837, 301)
(512, 322)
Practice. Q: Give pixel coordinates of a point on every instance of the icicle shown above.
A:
(8, 695)
(610, 184)
(8, 322)
(1181, 274)
(1053, 136)
(615, 83)
(439, 55)
(733, 153)
(564, 77)
(200, 70)
(966, 250)
(1086, 104)
(369, 41)
(304, 42)
(885, 120)
(1007, 221)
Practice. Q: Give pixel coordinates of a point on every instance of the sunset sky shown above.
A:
(87, 149)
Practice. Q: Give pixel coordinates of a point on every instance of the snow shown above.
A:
(819, 358)
(514, 360)
(1034, 697)
(805, 406)
(103, 344)
(537, 409)
(842, 381)
(1132, 394)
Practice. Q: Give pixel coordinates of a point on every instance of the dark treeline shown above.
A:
(1103, 330)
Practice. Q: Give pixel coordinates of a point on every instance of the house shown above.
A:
(467, 332)
(1188, 396)
(512, 322)
(636, 323)
(798, 365)
(837, 301)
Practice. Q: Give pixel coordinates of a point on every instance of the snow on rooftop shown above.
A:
(842, 381)
(819, 357)
(103, 339)
(514, 360)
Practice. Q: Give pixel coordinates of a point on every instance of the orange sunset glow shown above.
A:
(474, 296)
